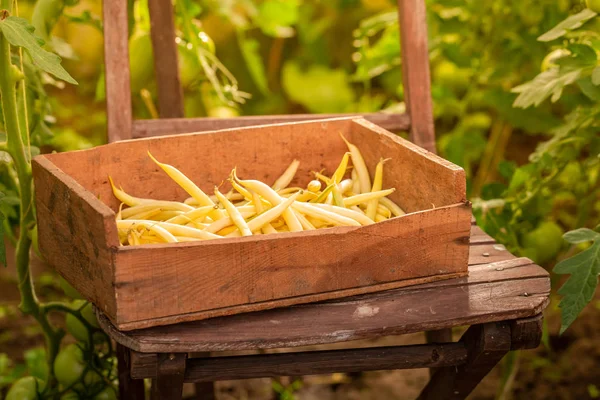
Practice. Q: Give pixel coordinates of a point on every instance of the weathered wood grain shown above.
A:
(486, 344)
(129, 388)
(147, 127)
(117, 78)
(310, 362)
(171, 369)
(162, 31)
(493, 292)
(415, 71)
(431, 180)
(77, 234)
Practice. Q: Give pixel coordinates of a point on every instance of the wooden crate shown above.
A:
(149, 285)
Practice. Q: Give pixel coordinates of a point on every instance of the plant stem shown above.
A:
(16, 148)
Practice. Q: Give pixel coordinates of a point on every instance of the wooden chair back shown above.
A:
(121, 125)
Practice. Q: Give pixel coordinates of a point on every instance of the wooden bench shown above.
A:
(501, 300)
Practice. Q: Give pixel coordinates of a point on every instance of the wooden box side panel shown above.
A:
(188, 278)
(422, 179)
(207, 158)
(76, 233)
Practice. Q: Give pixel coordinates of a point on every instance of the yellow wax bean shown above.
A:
(305, 222)
(234, 214)
(383, 210)
(179, 230)
(365, 197)
(191, 216)
(307, 196)
(345, 186)
(153, 204)
(150, 225)
(164, 215)
(284, 180)
(278, 223)
(358, 161)
(119, 215)
(322, 177)
(329, 199)
(314, 186)
(241, 190)
(339, 173)
(380, 218)
(377, 185)
(133, 238)
(357, 209)
(346, 212)
(146, 239)
(271, 214)
(289, 190)
(318, 223)
(316, 212)
(224, 223)
(187, 239)
(323, 195)
(355, 182)
(272, 197)
(267, 228)
(228, 230)
(124, 197)
(146, 214)
(336, 194)
(393, 207)
(190, 187)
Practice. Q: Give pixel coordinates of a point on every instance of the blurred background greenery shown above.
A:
(293, 56)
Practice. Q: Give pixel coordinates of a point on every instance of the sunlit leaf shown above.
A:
(569, 24)
(19, 33)
(250, 51)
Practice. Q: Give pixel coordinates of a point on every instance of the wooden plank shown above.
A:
(526, 333)
(400, 252)
(438, 336)
(432, 181)
(415, 71)
(487, 344)
(148, 128)
(478, 236)
(488, 253)
(168, 383)
(493, 294)
(129, 388)
(162, 31)
(317, 362)
(117, 79)
(76, 233)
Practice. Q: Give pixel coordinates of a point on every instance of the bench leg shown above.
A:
(132, 389)
(168, 384)
(439, 336)
(205, 391)
(487, 344)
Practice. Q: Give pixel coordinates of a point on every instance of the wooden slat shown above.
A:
(415, 71)
(493, 292)
(170, 93)
(310, 362)
(117, 79)
(488, 253)
(478, 236)
(149, 127)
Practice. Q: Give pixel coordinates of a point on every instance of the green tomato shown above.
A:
(26, 388)
(543, 243)
(141, 61)
(593, 5)
(69, 365)
(69, 396)
(550, 60)
(68, 289)
(109, 393)
(450, 75)
(190, 70)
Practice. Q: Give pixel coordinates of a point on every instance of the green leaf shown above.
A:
(2, 245)
(18, 32)
(35, 359)
(589, 89)
(275, 17)
(250, 52)
(579, 289)
(581, 235)
(572, 22)
(596, 76)
(319, 89)
(549, 83)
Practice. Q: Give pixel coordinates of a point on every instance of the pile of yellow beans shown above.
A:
(253, 207)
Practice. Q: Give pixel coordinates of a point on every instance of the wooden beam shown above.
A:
(162, 30)
(415, 71)
(117, 79)
(153, 127)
